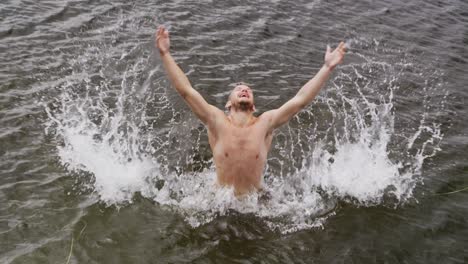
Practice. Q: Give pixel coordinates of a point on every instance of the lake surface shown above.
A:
(101, 161)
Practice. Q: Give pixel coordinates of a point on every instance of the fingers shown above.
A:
(342, 47)
(161, 31)
(328, 49)
(158, 32)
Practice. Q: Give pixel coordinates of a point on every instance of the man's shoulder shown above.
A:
(267, 115)
(216, 113)
(266, 119)
(219, 117)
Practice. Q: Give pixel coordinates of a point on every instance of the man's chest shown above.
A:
(253, 138)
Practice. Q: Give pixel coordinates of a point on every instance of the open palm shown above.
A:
(335, 57)
(162, 40)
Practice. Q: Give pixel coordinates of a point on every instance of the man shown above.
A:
(240, 141)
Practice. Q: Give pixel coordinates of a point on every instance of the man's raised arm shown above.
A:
(204, 111)
(308, 92)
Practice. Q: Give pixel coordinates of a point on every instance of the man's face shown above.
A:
(242, 95)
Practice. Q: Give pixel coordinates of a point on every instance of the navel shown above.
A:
(226, 154)
(256, 157)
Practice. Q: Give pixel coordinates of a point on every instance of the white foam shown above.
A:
(116, 180)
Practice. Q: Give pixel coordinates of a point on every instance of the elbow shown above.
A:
(184, 92)
(302, 105)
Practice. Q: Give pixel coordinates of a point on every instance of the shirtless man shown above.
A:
(240, 141)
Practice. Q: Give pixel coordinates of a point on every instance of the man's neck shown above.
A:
(240, 118)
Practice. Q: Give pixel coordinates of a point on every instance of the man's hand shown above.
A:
(162, 40)
(333, 58)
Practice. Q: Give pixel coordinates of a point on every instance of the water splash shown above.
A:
(99, 130)
(345, 147)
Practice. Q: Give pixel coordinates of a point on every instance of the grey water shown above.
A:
(102, 162)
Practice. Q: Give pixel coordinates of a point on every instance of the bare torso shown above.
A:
(240, 153)
(240, 142)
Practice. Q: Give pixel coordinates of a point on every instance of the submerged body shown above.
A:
(240, 141)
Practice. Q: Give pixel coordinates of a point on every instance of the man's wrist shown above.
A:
(328, 67)
(163, 53)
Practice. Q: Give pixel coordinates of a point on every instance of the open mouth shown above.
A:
(244, 96)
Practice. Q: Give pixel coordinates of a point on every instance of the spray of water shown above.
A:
(100, 132)
(121, 128)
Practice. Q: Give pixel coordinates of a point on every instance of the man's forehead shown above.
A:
(240, 86)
